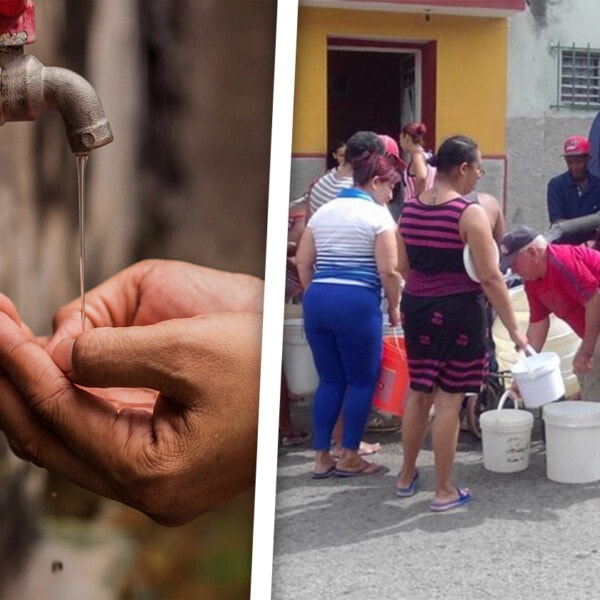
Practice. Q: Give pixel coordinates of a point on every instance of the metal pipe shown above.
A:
(578, 225)
(28, 88)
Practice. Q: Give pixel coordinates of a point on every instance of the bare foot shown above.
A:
(356, 469)
(365, 449)
(324, 465)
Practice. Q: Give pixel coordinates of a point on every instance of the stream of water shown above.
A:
(81, 163)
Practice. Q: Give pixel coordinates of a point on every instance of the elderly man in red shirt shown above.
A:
(563, 280)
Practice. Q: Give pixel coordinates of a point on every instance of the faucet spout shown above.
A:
(28, 88)
(77, 102)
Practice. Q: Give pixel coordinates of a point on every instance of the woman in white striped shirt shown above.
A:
(347, 254)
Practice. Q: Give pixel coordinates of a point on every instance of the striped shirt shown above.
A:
(435, 249)
(344, 231)
(326, 189)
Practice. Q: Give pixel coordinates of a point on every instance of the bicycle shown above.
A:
(494, 385)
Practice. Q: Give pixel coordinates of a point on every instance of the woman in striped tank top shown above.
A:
(442, 312)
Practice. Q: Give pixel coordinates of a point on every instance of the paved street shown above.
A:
(522, 537)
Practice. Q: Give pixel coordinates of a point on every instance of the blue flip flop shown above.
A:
(329, 473)
(409, 490)
(464, 497)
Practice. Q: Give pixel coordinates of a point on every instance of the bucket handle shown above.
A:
(512, 396)
(524, 358)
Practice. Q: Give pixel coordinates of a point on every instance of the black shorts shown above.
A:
(445, 341)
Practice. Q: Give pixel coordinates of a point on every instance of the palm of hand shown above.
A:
(151, 292)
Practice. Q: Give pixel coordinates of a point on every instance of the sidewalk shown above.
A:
(523, 536)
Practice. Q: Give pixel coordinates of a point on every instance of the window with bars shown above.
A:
(578, 77)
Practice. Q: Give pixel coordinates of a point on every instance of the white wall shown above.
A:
(535, 131)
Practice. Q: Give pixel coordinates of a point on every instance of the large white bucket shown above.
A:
(298, 364)
(506, 438)
(539, 379)
(561, 339)
(572, 441)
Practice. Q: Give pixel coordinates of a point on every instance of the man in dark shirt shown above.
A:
(576, 192)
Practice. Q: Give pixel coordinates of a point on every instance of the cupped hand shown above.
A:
(157, 398)
(191, 453)
(154, 290)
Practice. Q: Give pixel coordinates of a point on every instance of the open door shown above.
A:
(379, 85)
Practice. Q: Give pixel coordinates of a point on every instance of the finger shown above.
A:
(142, 294)
(31, 391)
(31, 440)
(183, 358)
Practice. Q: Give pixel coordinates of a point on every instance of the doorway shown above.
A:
(379, 86)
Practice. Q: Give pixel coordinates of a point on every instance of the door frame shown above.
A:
(425, 70)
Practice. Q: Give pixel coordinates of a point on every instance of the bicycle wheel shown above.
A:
(487, 399)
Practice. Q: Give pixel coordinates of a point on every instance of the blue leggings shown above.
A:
(343, 325)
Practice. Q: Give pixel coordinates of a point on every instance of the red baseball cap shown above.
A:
(390, 145)
(391, 150)
(576, 145)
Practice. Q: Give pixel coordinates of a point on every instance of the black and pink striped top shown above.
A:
(435, 249)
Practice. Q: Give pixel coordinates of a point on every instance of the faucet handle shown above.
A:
(17, 23)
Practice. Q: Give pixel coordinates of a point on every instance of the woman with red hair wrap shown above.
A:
(419, 175)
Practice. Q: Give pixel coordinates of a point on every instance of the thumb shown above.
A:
(173, 357)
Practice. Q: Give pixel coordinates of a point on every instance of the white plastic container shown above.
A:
(470, 263)
(298, 364)
(539, 379)
(506, 438)
(572, 441)
(561, 339)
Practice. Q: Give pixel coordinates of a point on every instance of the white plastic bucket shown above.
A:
(539, 379)
(561, 339)
(506, 438)
(572, 441)
(298, 364)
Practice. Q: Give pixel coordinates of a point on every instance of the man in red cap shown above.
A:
(576, 192)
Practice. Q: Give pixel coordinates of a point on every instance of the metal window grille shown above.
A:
(578, 77)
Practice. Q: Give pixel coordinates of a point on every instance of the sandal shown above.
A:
(410, 489)
(464, 497)
(379, 423)
(367, 469)
(297, 438)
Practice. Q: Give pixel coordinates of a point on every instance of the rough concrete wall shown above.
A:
(210, 205)
(303, 172)
(20, 490)
(536, 131)
(534, 157)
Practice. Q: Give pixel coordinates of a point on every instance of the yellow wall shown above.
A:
(471, 71)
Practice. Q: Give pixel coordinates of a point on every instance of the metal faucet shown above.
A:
(28, 88)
